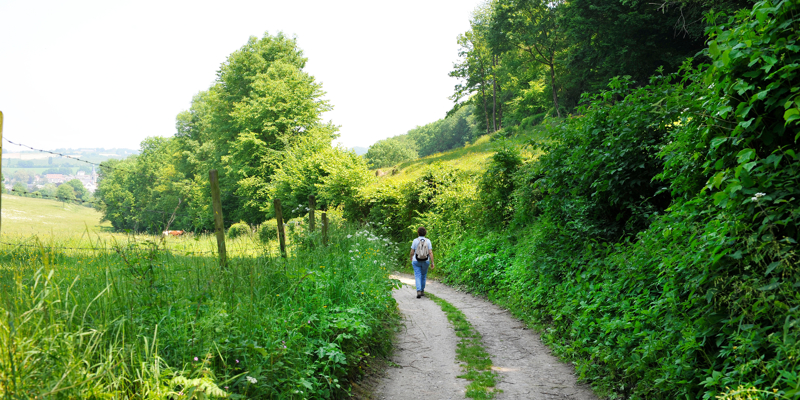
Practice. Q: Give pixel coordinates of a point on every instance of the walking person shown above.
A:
(421, 259)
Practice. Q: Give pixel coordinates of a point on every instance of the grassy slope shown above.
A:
(28, 216)
(57, 224)
(472, 158)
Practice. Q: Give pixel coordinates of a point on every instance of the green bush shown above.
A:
(658, 241)
(240, 228)
(268, 231)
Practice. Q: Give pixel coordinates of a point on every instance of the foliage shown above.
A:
(313, 167)
(80, 192)
(239, 229)
(655, 243)
(65, 192)
(141, 322)
(268, 231)
(19, 188)
(453, 131)
(391, 151)
(257, 121)
(524, 60)
(497, 186)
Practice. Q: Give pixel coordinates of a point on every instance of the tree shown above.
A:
(391, 151)
(80, 191)
(477, 67)
(533, 26)
(261, 104)
(48, 190)
(20, 188)
(65, 192)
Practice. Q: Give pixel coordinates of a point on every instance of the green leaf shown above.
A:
(717, 179)
(791, 115)
(713, 48)
(771, 286)
(745, 155)
(771, 267)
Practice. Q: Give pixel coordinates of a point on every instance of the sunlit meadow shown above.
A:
(96, 315)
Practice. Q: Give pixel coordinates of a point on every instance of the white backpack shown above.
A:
(423, 250)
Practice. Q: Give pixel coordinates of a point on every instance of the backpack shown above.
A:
(423, 250)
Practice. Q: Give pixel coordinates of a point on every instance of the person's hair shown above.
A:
(422, 231)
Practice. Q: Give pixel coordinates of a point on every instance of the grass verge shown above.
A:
(139, 322)
(476, 362)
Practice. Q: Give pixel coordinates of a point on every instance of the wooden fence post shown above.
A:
(312, 204)
(281, 232)
(324, 228)
(219, 226)
(1, 164)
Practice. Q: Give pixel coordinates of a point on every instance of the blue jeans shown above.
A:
(421, 273)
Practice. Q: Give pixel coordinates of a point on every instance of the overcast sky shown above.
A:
(110, 73)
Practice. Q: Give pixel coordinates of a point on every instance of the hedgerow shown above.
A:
(655, 242)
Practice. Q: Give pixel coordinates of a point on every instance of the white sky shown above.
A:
(110, 73)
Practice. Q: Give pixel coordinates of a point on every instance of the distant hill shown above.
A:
(360, 150)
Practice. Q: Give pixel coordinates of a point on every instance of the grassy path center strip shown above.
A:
(475, 360)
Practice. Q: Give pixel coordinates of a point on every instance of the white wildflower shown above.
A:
(251, 379)
(759, 194)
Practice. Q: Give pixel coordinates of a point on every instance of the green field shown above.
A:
(28, 221)
(25, 216)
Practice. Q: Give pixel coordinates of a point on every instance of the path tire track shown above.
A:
(526, 367)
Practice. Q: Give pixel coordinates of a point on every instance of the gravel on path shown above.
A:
(527, 369)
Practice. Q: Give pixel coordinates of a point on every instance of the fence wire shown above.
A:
(98, 204)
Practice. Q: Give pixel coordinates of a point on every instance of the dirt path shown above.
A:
(426, 352)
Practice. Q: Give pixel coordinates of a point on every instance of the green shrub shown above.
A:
(268, 231)
(240, 228)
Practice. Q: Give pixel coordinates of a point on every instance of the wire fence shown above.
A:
(100, 204)
(59, 154)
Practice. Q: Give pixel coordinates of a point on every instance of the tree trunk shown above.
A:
(500, 112)
(494, 93)
(485, 109)
(553, 85)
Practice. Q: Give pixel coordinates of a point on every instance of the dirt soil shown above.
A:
(424, 366)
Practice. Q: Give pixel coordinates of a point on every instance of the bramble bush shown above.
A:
(655, 244)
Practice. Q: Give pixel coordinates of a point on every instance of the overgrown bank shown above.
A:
(655, 238)
(141, 322)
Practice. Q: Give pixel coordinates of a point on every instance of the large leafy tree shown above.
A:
(261, 108)
(534, 28)
(261, 103)
(477, 70)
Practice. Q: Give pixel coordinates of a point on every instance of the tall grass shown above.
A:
(138, 322)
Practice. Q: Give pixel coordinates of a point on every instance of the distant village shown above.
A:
(89, 181)
(42, 172)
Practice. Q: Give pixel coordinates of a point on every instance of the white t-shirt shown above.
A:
(416, 242)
